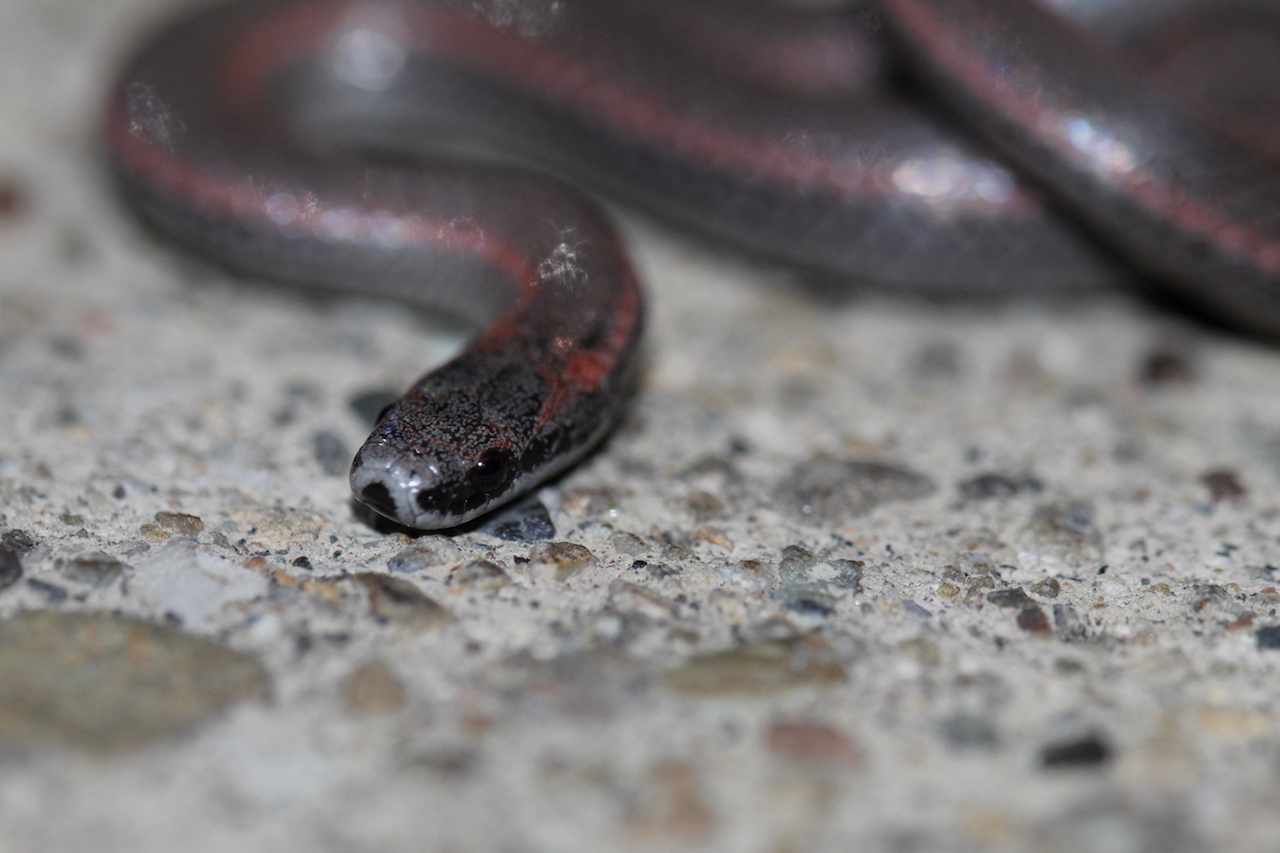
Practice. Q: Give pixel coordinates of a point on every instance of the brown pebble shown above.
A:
(1068, 525)
(811, 743)
(632, 598)
(1047, 588)
(559, 560)
(425, 553)
(1223, 485)
(373, 690)
(629, 544)
(479, 576)
(95, 569)
(1165, 368)
(103, 684)
(13, 200)
(1010, 598)
(180, 523)
(977, 591)
(401, 603)
(1033, 619)
(582, 502)
(705, 506)
(714, 536)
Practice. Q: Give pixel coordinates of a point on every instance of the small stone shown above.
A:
(661, 571)
(96, 569)
(987, 486)
(10, 568)
(796, 565)
(401, 603)
(811, 743)
(629, 544)
(977, 591)
(813, 606)
(191, 583)
(914, 609)
(479, 576)
(1033, 619)
(1068, 622)
(1068, 525)
(1268, 637)
(528, 521)
(1011, 598)
(103, 684)
(52, 593)
(748, 575)
(426, 552)
(373, 690)
(331, 453)
(1241, 623)
(1209, 595)
(811, 586)
(758, 669)
(713, 536)
(1089, 750)
(19, 542)
(1162, 367)
(589, 502)
(180, 523)
(705, 506)
(560, 560)
(976, 562)
(1047, 588)
(968, 731)
(631, 598)
(828, 490)
(14, 201)
(1223, 486)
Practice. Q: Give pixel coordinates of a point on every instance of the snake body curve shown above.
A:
(246, 129)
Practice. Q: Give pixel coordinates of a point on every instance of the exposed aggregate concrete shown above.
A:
(884, 575)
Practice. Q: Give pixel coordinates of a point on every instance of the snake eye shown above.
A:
(490, 471)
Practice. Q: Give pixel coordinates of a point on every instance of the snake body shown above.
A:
(271, 133)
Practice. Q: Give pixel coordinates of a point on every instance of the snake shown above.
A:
(447, 153)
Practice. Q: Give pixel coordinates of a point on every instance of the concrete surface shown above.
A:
(883, 576)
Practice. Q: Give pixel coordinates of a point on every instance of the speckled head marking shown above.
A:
(452, 447)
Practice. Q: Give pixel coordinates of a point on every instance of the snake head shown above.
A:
(463, 440)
